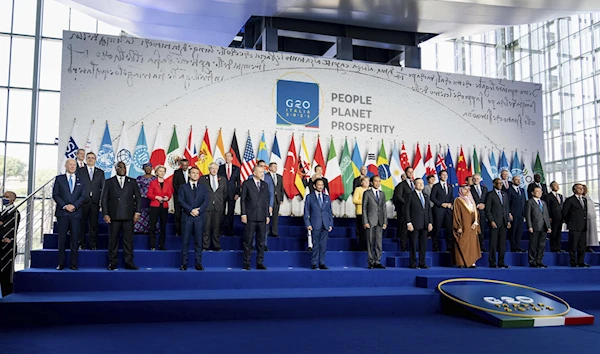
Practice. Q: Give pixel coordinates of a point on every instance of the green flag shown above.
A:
(387, 184)
(537, 167)
(347, 171)
(475, 163)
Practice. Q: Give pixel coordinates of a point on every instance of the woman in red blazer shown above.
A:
(159, 193)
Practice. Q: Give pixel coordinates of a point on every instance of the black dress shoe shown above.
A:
(379, 266)
(323, 266)
(520, 250)
(60, 267)
(81, 248)
(542, 265)
(246, 267)
(218, 249)
(132, 267)
(493, 266)
(533, 266)
(309, 249)
(473, 266)
(266, 249)
(590, 250)
(423, 266)
(261, 267)
(162, 248)
(73, 267)
(583, 265)
(574, 265)
(199, 267)
(503, 266)
(112, 267)
(413, 267)
(314, 266)
(183, 267)
(370, 266)
(94, 248)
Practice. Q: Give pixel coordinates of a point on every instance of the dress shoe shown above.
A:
(562, 251)
(531, 265)
(379, 266)
(493, 266)
(473, 266)
(314, 266)
(423, 266)
(503, 266)
(152, 249)
(483, 250)
(276, 236)
(309, 249)
(60, 267)
(183, 267)
(520, 250)
(162, 248)
(132, 267)
(266, 249)
(112, 267)
(73, 267)
(246, 267)
(413, 267)
(218, 249)
(323, 266)
(94, 248)
(370, 266)
(590, 250)
(542, 265)
(583, 265)
(574, 265)
(199, 267)
(81, 248)
(261, 267)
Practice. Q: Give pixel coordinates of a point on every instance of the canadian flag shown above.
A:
(429, 164)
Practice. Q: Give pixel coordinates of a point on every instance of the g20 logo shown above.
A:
(297, 102)
(517, 300)
(290, 103)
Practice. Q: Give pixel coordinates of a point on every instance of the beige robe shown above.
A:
(468, 250)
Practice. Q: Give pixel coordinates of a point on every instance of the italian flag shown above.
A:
(334, 174)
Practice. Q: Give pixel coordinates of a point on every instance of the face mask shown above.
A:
(5, 201)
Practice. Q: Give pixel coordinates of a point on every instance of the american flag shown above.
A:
(249, 161)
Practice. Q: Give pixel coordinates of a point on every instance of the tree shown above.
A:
(14, 168)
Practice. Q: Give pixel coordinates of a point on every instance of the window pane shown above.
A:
(48, 114)
(19, 115)
(3, 102)
(46, 162)
(24, 17)
(21, 70)
(50, 64)
(4, 59)
(5, 15)
(17, 158)
(82, 22)
(56, 19)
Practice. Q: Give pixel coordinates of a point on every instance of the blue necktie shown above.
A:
(541, 206)
(71, 183)
(377, 196)
(422, 200)
(500, 196)
(320, 200)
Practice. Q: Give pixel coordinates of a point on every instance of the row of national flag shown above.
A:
(340, 169)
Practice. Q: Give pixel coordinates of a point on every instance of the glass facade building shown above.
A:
(563, 55)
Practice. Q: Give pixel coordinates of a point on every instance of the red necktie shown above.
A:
(228, 172)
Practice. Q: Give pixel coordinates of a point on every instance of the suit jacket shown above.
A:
(277, 188)
(532, 185)
(178, 180)
(536, 219)
(10, 222)
(516, 203)
(233, 184)
(94, 185)
(495, 210)
(479, 200)
(315, 215)
(427, 192)
(121, 204)
(438, 197)
(269, 181)
(218, 198)
(554, 207)
(373, 213)
(154, 191)
(415, 213)
(188, 201)
(401, 191)
(309, 183)
(62, 195)
(574, 214)
(255, 202)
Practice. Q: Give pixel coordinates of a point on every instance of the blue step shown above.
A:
(404, 261)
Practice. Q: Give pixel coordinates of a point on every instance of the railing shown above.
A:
(37, 217)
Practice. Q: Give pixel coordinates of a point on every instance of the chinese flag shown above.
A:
(289, 171)
(462, 171)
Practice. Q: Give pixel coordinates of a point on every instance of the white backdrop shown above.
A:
(131, 80)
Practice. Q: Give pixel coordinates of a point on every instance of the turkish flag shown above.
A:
(289, 171)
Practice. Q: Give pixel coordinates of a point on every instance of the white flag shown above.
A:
(90, 144)
(123, 151)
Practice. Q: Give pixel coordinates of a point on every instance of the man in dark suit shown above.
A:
(375, 221)
(442, 197)
(70, 194)
(318, 219)
(575, 215)
(505, 181)
(516, 206)
(271, 186)
(418, 218)
(217, 198)
(180, 177)
(479, 192)
(537, 182)
(93, 178)
(356, 182)
(277, 198)
(121, 208)
(9, 224)
(496, 212)
(538, 225)
(255, 215)
(401, 192)
(194, 199)
(555, 203)
(231, 173)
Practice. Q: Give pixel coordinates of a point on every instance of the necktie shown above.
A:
(228, 172)
(541, 206)
(377, 196)
(445, 188)
(71, 183)
(213, 183)
(500, 196)
(422, 200)
(581, 202)
(557, 197)
(258, 185)
(478, 188)
(274, 178)
(121, 182)
(412, 186)
(91, 173)
(320, 199)
(194, 187)
(519, 191)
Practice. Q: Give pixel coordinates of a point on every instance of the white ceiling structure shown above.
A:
(217, 22)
